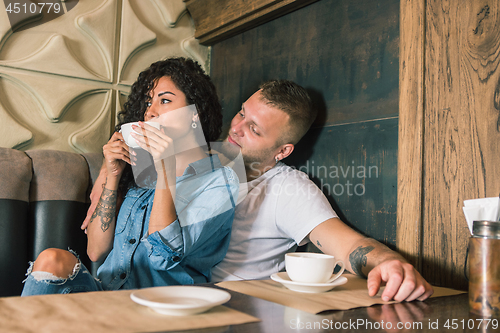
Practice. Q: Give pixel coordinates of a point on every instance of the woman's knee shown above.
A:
(56, 261)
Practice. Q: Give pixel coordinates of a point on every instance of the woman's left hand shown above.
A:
(155, 141)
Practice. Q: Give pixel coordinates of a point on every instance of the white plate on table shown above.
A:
(302, 287)
(180, 300)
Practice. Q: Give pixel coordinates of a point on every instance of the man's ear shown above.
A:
(285, 151)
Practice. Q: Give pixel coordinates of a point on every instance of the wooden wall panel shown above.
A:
(462, 137)
(355, 166)
(461, 132)
(411, 129)
(216, 20)
(346, 54)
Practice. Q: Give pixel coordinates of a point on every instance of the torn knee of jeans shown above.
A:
(74, 253)
(76, 269)
(47, 276)
(30, 269)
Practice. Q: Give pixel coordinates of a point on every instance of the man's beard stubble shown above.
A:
(250, 158)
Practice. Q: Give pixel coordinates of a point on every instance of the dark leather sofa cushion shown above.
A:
(15, 176)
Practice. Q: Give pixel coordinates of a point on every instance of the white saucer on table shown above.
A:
(303, 287)
(180, 300)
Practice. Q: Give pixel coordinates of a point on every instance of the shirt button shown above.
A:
(132, 241)
(123, 276)
(176, 259)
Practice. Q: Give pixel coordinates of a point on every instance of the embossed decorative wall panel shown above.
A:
(62, 82)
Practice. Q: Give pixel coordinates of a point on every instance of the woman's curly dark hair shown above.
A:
(188, 77)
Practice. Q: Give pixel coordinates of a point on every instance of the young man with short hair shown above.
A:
(283, 208)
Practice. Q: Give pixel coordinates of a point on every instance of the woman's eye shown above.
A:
(148, 104)
(241, 114)
(165, 101)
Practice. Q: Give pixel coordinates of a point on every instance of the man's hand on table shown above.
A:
(402, 282)
(364, 255)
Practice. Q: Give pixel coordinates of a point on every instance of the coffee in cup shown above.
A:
(308, 267)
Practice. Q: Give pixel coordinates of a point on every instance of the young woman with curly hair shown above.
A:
(171, 229)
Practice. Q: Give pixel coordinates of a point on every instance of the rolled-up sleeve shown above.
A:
(201, 227)
(165, 247)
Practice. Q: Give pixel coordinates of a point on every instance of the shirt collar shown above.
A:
(209, 163)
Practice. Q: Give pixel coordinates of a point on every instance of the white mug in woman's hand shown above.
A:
(126, 130)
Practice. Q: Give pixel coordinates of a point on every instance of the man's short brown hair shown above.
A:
(294, 100)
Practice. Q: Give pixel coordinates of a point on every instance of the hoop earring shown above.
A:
(193, 125)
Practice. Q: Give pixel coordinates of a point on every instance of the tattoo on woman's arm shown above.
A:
(106, 208)
(358, 259)
(318, 243)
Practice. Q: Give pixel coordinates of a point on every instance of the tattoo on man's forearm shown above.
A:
(358, 259)
(106, 208)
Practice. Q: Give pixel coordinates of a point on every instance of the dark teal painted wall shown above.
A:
(346, 54)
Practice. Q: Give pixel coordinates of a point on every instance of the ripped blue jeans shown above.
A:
(42, 283)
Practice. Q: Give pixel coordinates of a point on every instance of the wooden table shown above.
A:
(441, 314)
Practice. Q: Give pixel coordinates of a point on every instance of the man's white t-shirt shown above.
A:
(280, 210)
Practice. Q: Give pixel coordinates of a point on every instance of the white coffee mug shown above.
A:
(126, 130)
(310, 267)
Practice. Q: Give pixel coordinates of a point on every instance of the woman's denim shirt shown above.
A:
(186, 250)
